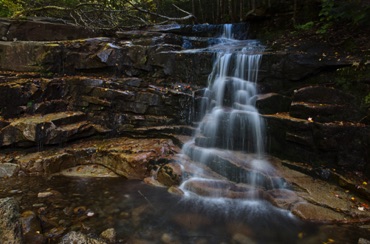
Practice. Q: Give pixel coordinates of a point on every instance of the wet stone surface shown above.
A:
(127, 211)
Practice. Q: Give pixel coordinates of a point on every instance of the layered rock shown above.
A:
(126, 157)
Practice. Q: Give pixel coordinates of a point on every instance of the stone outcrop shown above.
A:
(342, 145)
(323, 104)
(42, 29)
(127, 157)
(51, 129)
(53, 111)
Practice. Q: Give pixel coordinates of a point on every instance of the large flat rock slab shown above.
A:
(127, 157)
(323, 201)
(49, 129)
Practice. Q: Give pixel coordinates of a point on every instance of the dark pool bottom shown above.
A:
(145, 214)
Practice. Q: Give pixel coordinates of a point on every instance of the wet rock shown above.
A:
(236, 167)
(218, 188)
(123, 156)
(284, 198)
(138, 214)
(327, 203)
(79, 238)
(8, 169)
(170, 174)
(55, 233)
(91, 170)
(192, 221)
(239, 238)
(109, 235)
(314, 213)
(153, 182)
(175, 190)
(11, 228)
(31, 227)
(240, 229)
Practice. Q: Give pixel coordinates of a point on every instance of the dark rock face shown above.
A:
(272, 103)
(54, 111)
(323, 104)
(334, 144)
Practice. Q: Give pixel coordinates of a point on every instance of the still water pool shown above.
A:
(145, 214)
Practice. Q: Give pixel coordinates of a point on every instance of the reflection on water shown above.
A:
(139, 212)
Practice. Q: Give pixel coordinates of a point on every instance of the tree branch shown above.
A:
(189, 15)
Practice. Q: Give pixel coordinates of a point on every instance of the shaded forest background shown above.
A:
(115, 14)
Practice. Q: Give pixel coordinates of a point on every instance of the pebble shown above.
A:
(38, 205)
(44, 194)
(79, 210)
(109, 235)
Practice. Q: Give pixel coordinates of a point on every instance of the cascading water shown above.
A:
(231, 124)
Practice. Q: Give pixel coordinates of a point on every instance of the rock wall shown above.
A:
(139, 79)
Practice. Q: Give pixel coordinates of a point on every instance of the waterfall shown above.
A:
(230, 124)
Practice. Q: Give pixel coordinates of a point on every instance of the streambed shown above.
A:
(140, 213)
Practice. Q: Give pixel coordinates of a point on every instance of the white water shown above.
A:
(230, 121)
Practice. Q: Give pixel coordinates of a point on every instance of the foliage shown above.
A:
(367, 100)
(307, 26)
(8, 7)
(355, 12)
(102, 14)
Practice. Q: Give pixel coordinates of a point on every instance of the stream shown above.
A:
(145, 214)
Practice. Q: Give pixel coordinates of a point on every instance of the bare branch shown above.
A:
(189, 16)
(100, 16)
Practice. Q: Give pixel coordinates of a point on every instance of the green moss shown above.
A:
(307, 26)
(367, 100)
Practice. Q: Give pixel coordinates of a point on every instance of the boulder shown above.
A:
(10, 226)
(8, 169)
(170, 174)
(80, 238)
(31, 227)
